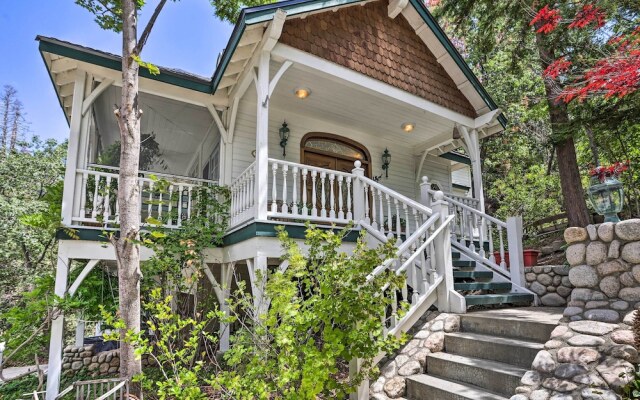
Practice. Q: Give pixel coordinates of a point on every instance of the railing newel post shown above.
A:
(514, 241)
(358, 192)
(442, 249)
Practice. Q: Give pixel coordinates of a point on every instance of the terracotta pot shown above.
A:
(496, 254)
(530, 257)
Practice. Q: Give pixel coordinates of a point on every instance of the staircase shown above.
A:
(481, 287)
(487, 358)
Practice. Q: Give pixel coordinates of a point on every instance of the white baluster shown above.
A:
(407, 230)
(150, 199)
(274, 194)
(94, 207)
(285, 206)
(492, 257)
(189, 206)
(340, 198)
(398, 224)
(107, 211)
(374, 211)
(349, 201)
(170, 204)
(314, 197)
(503, 263)
(381, 219)
(323, 199)
(294, 208)
(180, 205)
(366, 203)
(305, 209)
(332, 201)
(389, 214)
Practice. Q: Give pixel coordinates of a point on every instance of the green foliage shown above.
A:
(323, 313)
(178, 258)
(108, 12)
(229, 10)
(178, 346)
(16, 388)
(150, 154)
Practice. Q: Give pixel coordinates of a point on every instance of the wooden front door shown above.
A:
(335, 153)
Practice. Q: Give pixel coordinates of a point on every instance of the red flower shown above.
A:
(588, 14)
(546, 20)
(608, 171)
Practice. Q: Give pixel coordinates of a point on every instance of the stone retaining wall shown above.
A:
(605, 270)
(550, 282)
(427, 337)
(591, 354)
(106, 363)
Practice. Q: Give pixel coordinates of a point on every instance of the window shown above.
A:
(211, 169)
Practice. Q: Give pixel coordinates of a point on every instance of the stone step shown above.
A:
(506, 298)
(507, 350)
(464, 264)
(498, 286)
(473, 274)
(492, 376)
(421, 387)
(523, 323)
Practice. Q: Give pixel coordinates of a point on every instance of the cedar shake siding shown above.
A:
(366, 40)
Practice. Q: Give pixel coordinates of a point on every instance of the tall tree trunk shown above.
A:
(592, 144)
(570, 183)
(127, 249)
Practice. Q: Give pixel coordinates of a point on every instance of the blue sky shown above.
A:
(187, 35)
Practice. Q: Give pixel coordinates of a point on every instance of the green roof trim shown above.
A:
(113, 62)
(457, 157)
(254, 229)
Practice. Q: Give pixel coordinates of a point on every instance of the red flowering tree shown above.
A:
(614, 72)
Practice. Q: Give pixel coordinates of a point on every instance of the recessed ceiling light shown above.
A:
(302, 93)
(408, 126)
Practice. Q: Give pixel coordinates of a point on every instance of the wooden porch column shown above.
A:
(262, 136)
(73, 149)
(57, 325)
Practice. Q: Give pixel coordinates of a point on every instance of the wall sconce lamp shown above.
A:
(386, 161)
(284, 137)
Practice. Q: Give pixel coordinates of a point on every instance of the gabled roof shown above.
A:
(252, 16)
(247, 34)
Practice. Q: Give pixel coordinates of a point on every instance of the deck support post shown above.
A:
(262, 136)
(57, 325)
(444, 262)
(258, 275)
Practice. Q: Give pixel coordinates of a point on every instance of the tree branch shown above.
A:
(147, 29)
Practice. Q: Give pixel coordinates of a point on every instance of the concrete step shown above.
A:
(507, 350)
(421, 387)
(473, 274)
(492, 376)
(506, 298)
(497, 286)
(511, 323)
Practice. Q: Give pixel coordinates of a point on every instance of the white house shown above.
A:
(375, 99)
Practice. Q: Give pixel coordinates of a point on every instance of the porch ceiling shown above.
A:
(336, 100)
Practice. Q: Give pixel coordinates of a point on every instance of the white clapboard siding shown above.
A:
(401, 172)
(462, 177)
(437, 169)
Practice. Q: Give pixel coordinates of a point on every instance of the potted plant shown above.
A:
(605, 190)
(530, 257)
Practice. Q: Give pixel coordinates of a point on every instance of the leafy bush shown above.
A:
(323, 313)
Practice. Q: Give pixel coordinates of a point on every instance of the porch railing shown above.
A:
(166, 198)
(480, 236)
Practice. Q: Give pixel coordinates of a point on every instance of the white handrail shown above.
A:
(158, 174)
(448, 199)
(113, 390)
(424, 245)
(397, 195)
